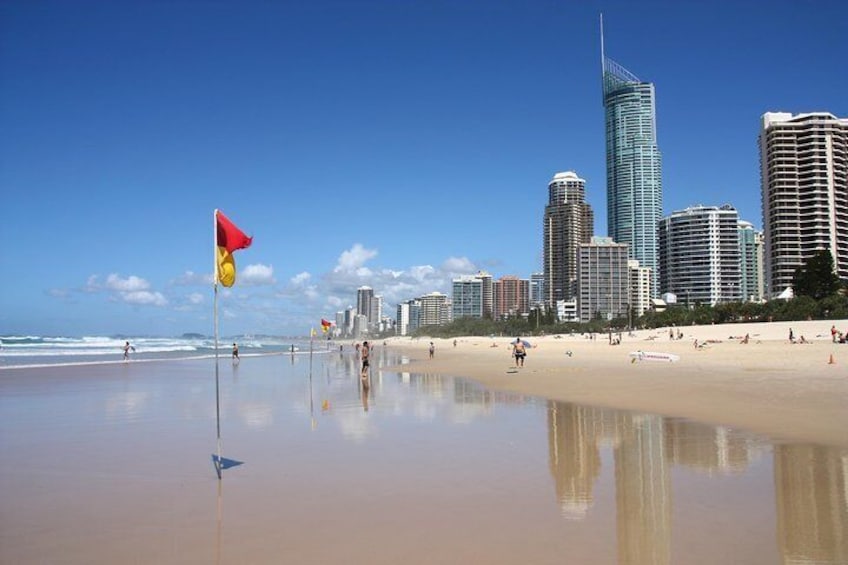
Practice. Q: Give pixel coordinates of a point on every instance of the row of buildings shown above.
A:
(699, 255)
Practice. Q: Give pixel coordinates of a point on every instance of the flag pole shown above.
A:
(215, 316)
(311, 339)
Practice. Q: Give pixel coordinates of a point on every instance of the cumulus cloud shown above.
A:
(354, 258)
(144, 297)
(257, 274)
(130, 284)
(459, 266)
(131, 290)
(300, 278)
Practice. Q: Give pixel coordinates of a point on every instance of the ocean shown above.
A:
(39, 351)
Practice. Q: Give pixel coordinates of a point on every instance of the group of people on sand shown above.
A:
(792, 339)
(838, 336)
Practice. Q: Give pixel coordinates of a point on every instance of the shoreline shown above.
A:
(769, 386)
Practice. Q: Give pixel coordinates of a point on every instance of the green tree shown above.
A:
(815, 278)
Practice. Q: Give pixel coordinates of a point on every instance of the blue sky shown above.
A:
(392, 144)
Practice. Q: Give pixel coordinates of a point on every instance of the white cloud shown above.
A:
(196, 298)
(459, 266)
(131, 290)
(300, 278)
(334, 301)
(144, 297)
(92, 285)
(129, 284)
(257, 274)
(354, 258)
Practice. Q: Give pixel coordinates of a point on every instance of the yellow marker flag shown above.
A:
(228, 238)
(226, 267)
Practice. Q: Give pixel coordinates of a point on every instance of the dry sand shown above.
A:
(769, 386)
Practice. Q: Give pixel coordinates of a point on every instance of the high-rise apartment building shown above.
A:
(804, 182)
(634, 169)
(364, 299)
(699, 255)
(512, 297)
(435, 310)
(488, 294)
(467, 297)
(640, 289)
(569, 221)
(603, 281)
(750, 262)
(408, 317)
(537, 290)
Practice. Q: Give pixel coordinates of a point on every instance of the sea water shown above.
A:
(35, 350)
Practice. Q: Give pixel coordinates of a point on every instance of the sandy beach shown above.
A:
(112, 463)
(787, 391)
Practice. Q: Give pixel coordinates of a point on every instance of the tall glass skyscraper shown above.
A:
(634, 169)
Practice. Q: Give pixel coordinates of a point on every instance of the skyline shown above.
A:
(384, 144)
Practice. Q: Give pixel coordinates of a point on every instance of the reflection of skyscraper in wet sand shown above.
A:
(709, 448)
(811, 484)
(575, 463)
(643, 492)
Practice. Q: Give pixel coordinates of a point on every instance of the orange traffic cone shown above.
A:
(831, 362)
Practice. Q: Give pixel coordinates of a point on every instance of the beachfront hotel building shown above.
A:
(603, 280)
(512, 297)
(364, 300)
(640, 289)
(699, 255)
(568, 222)
(467, 297)
(634, 169)
(408, 317)
(804, 184)
(751, 262)
(435, 310)
(537, 290)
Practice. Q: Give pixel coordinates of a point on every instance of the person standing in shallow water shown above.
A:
(235, 353)
(127, 348)
(365, 352)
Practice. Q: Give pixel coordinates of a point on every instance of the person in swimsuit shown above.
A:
(519, 352)
(365, 352)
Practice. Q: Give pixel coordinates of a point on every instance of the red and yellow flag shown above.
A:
(325, 325)
(228, 238)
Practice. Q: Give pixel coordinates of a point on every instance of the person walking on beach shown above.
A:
(235, 353)
(519, 352)
(364, 352)
(432, 350)
(127, 348)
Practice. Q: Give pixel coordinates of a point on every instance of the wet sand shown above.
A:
(112, 463)
(769, 385)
